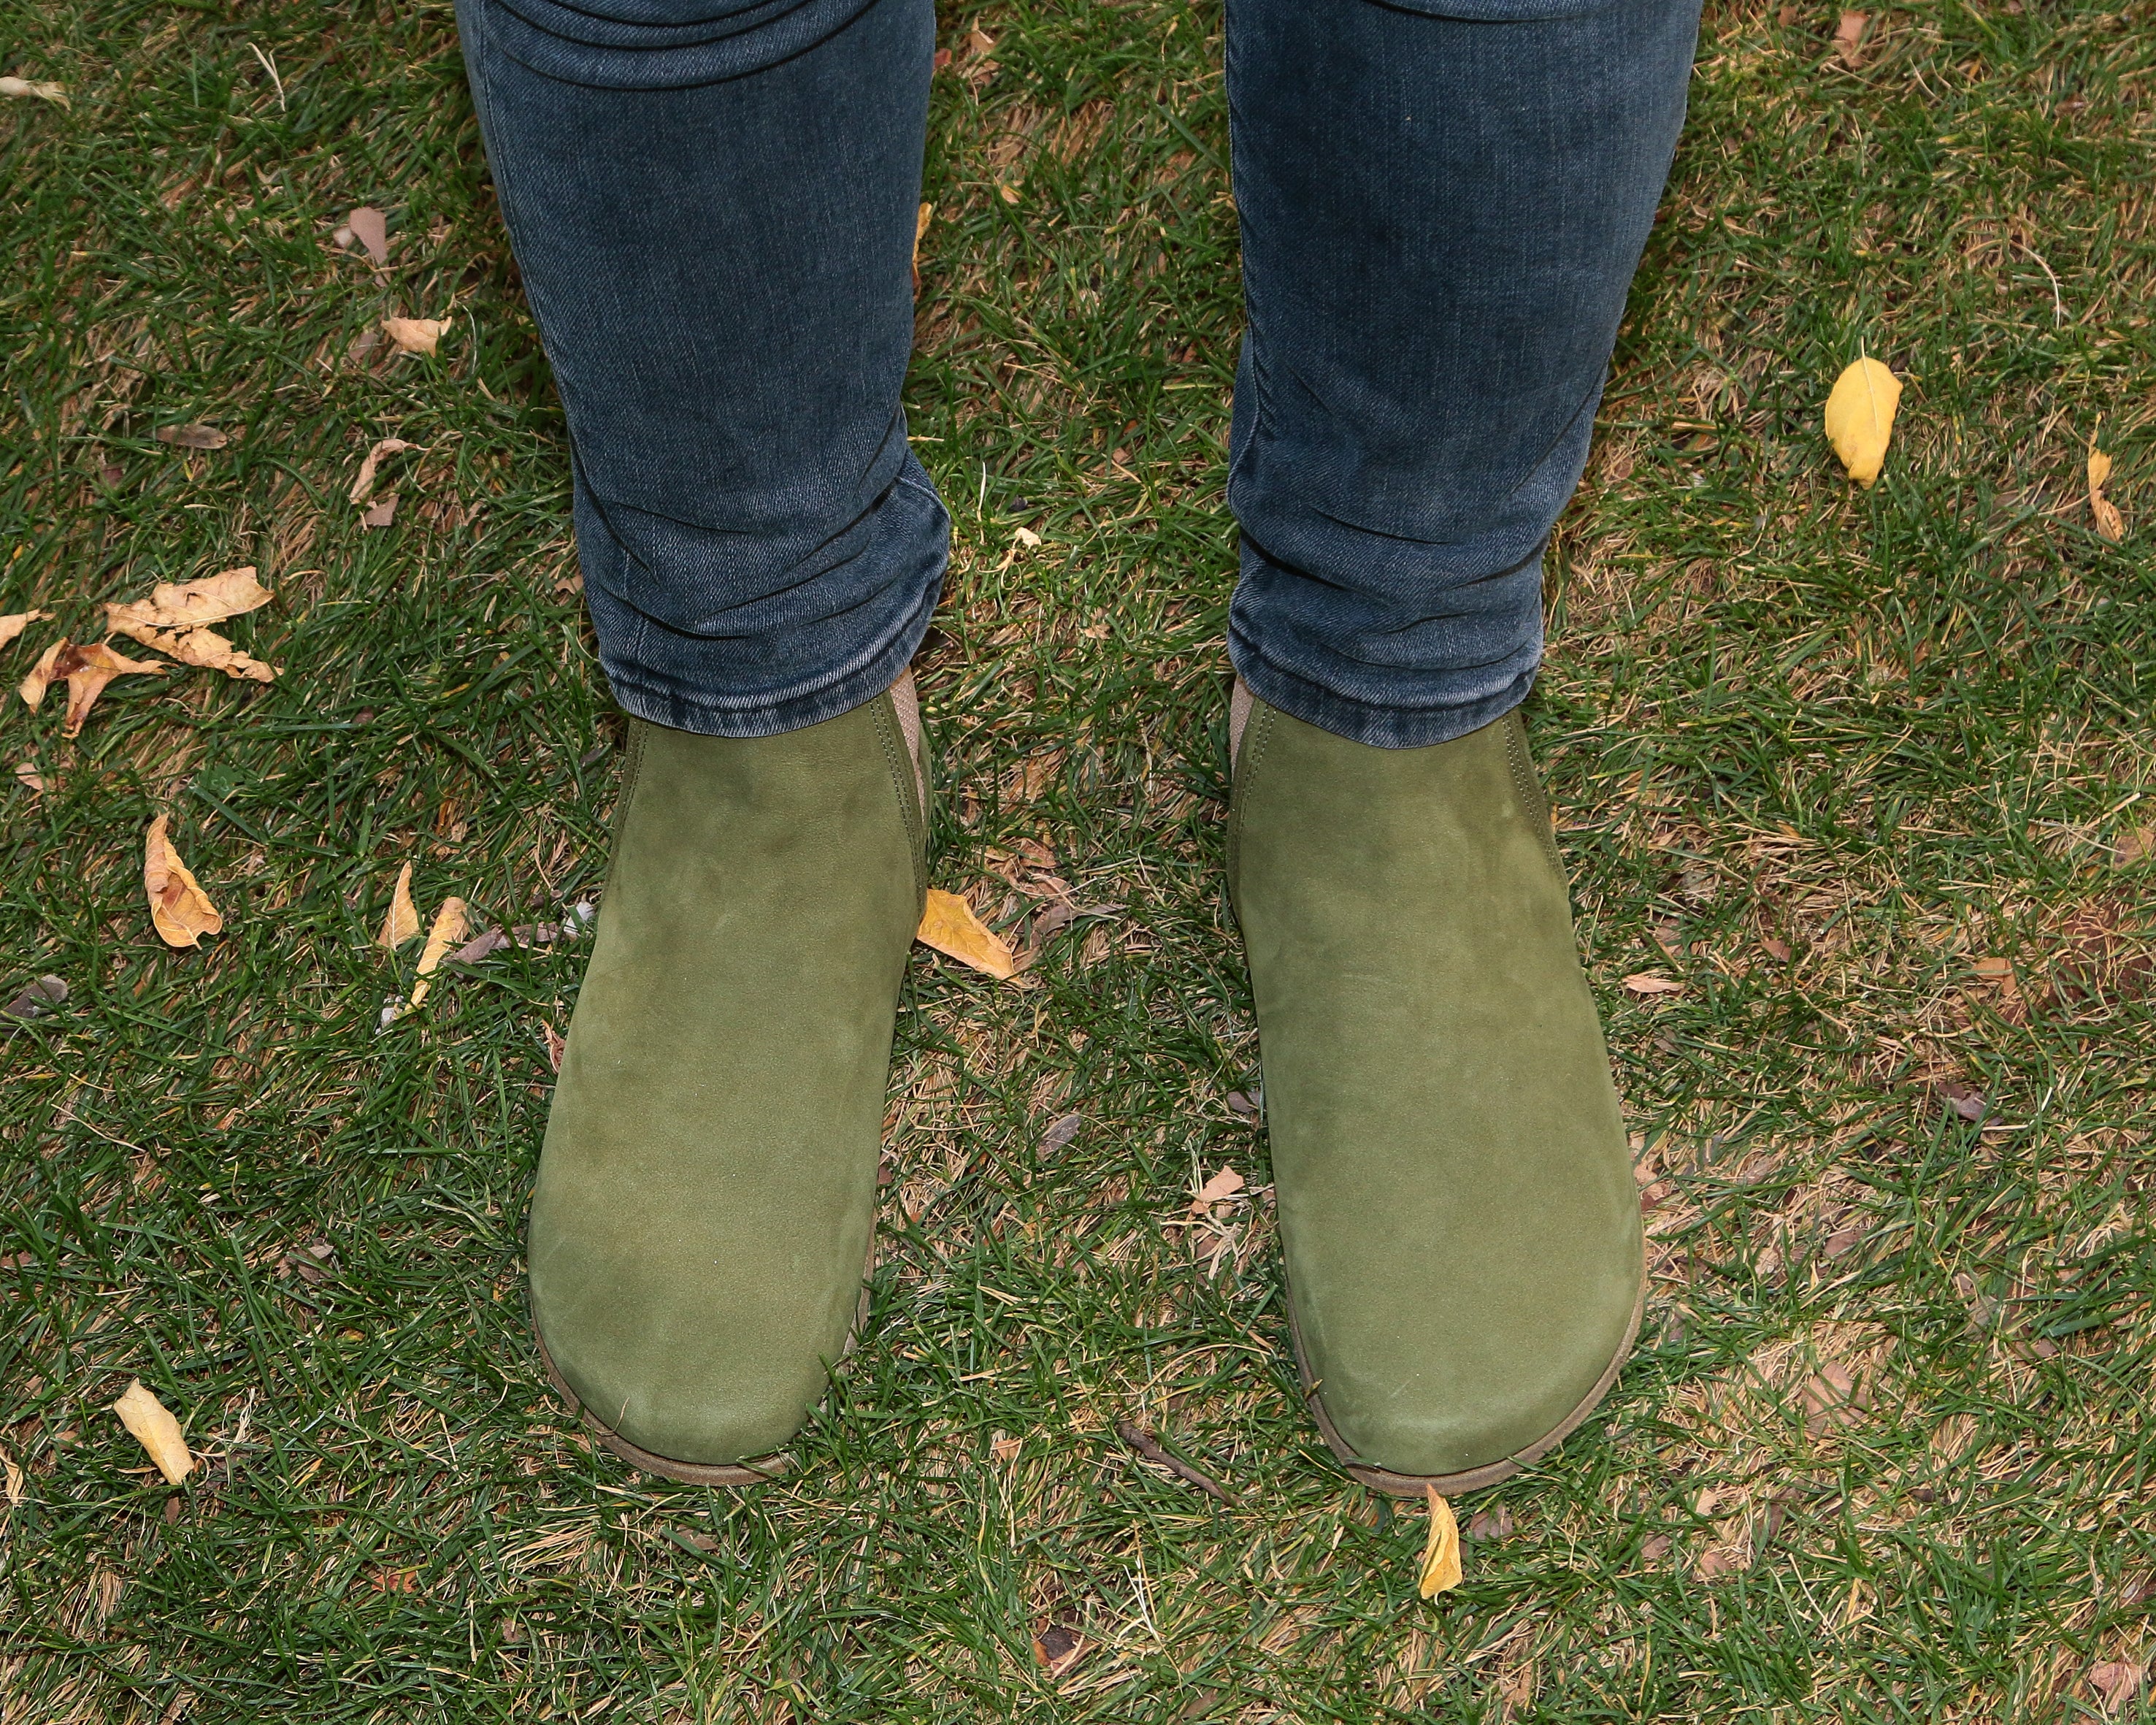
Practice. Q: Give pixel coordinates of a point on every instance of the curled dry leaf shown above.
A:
(1647, 982)
(920, 221)
(44, 996)
(949, 925)
(1859, 418)
(382, 512)
(29, 777)
(178, 906)
(86, 670)
(1061, 1132)
(206, 650)
(362, 488)
(157, 1432)
(2117, 1682)
(371, 228)
(189, 604)
(191, 436)
(1440, 1571)
(15, 622)
(449, 931)
(415, 335)
(43, 90)
(2109, 522)
(403, 922)
(1224, 1186)
(14, 1480)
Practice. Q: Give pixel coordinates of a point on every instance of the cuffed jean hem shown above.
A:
(1381, 727)
(683, 709)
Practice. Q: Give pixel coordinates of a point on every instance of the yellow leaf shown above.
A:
(2109, 522)
(16, 622)
(157, 1432)
(203, 648)
(1859, 418)
(86, 669)
(949, 925)
(178, 906)
(449, 931)
(1440, 1552)
(403, 922)
(415, 335)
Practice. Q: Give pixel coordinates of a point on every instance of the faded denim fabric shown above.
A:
(712, 207)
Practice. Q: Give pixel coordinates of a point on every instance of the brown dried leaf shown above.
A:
(157, 1432)
(191, 436)
(2117, 1682)
(1849, 37)
(362, 486)
(1222, 1187)
(87, 670)
(1004, 1449)
(380, 513)
(403, 922)
(1059, 1647)
(189, 605)
(31, 778)
(203, 648)
(1647, 982)
(1832, 1397)
(2138, 846)
(415, 335)
(178, 906)
(949, 925)
(15, 622)
(14, 1480)
(371, 228)
(1960, 1097)
(1441, 1570)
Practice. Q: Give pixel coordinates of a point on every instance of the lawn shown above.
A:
(1867, 774)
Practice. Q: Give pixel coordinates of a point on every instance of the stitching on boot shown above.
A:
(1244, 768)
(904, 780)
(1534, 802)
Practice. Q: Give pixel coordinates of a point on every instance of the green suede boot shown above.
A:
(706, 1194)
(1456, 1202)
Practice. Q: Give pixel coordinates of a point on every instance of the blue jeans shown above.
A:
(712, 207)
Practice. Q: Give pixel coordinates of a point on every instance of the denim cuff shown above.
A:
(1360, 721)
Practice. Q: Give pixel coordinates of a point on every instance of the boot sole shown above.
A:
(760, 1470)
(1477, 1478)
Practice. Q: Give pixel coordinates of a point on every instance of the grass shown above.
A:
(1861, 770)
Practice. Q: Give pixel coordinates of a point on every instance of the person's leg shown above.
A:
(1443, 203)
(714, 220)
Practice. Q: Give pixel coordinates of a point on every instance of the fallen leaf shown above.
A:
(449, 931)
(558, 1045)
(1061, 1133)
(189, 604)
(1026, 537)
(43, 90)
(926, 215)
(403, 922)
(2117, 1682)
(1646, 982)
(87, 670)
(2138, 846)
(157, 1432)
(178, 906)
(415, 335)
(14, 1480)
(474, 950)
(2109, 522)
(1718, 1563)
(313, 1265)
(1848, 35)
(15, 622)
(39, 999)
(382, 513)
(1655, 1547)
(371, 228)
(949, 925)
(362, 486)
(1059, 1647)
(1859, 416)
(30, 776)
(1221, 1187)
(1960, 1097)
(1831, 1398)
(1441, 1570)
(1777, 950)
(204, 650)
(191, 436)
(1005, 1449)
(1490, 1524)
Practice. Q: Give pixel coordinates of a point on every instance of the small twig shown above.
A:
(1148, 1446)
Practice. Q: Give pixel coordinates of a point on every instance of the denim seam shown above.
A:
(1366, 722)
